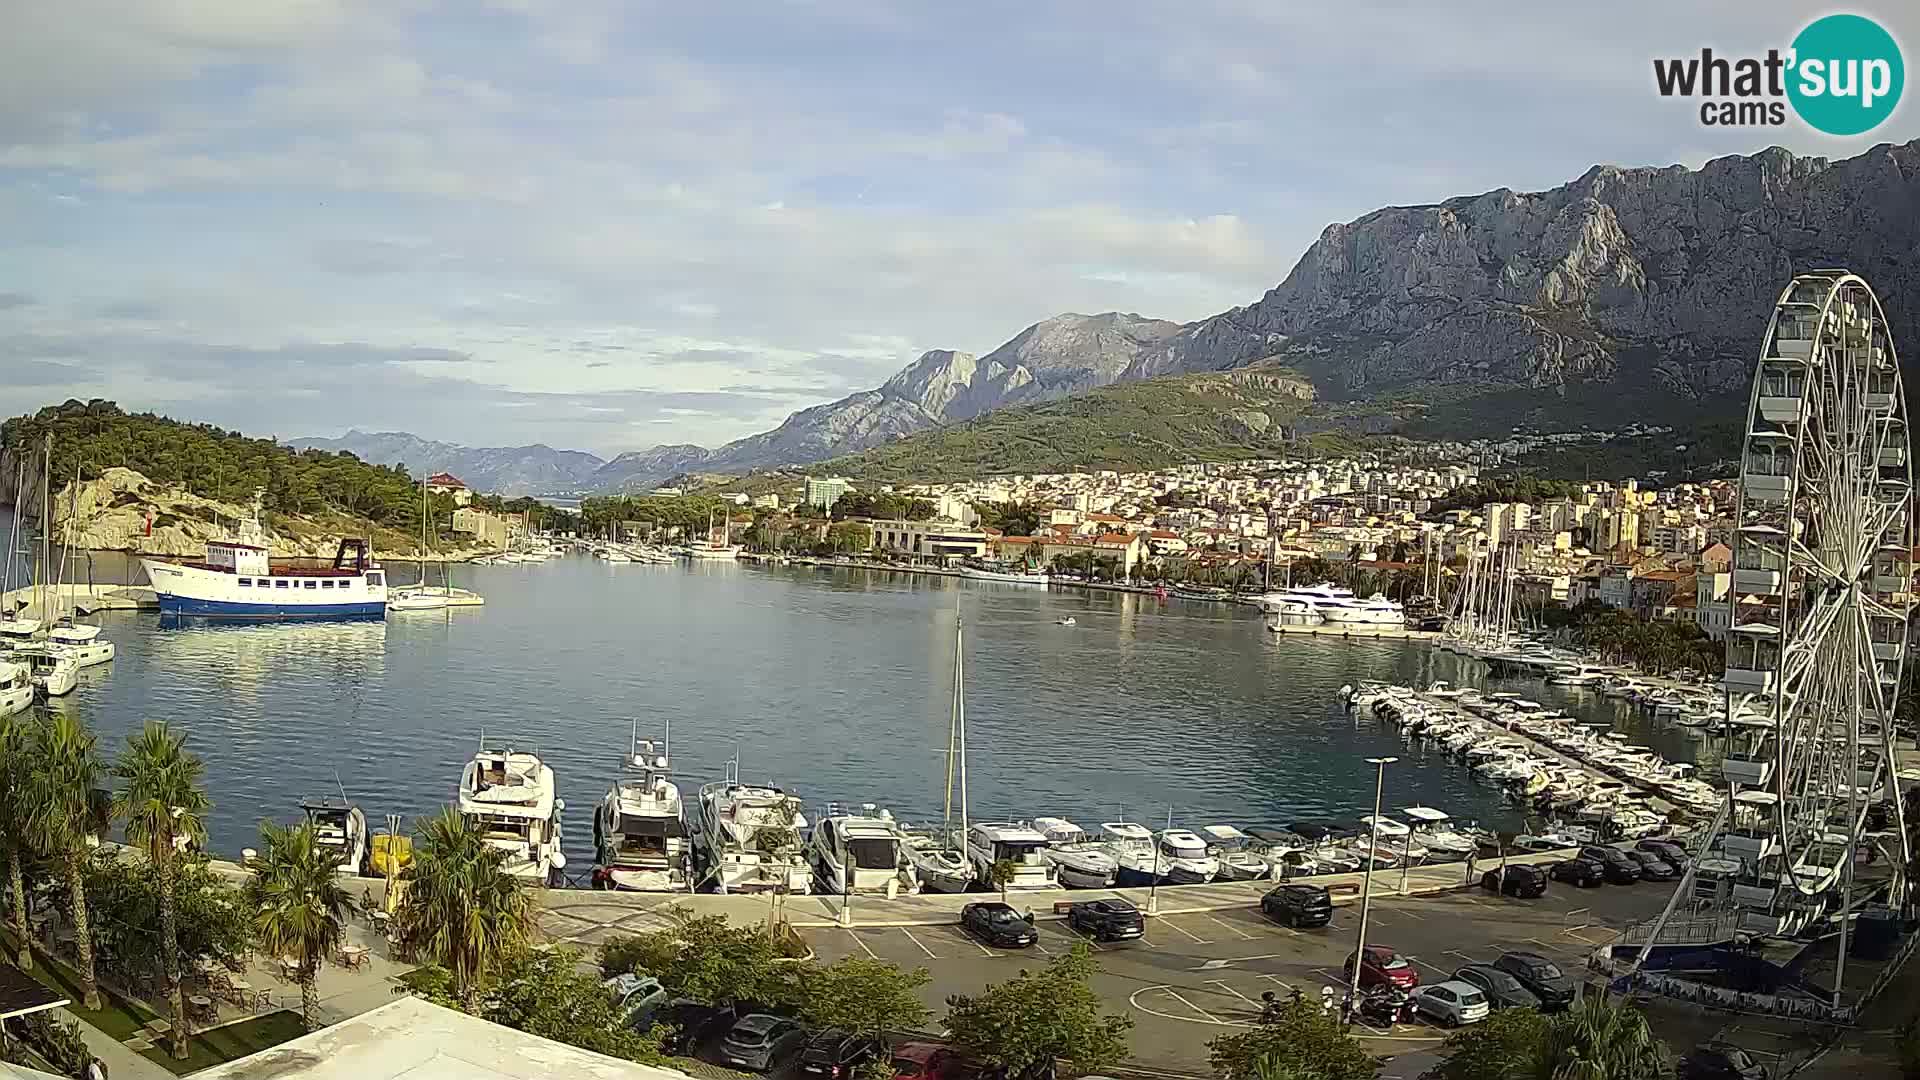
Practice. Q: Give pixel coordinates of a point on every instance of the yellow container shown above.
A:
(392, 855)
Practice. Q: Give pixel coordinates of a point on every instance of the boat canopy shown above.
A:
(1223, 832)
(1126, 830)
(1275, 836)
(1319, 830)
(1427, 815)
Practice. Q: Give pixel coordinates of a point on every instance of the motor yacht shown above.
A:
(16, 687)
(640, 828)
(1433, 829)
(53, 672)
(749, 837)
(340, 829)
(1393, 836)
(992, 842)
(509, 795)
(1232, 848)
(80, 642)
(860, 853)
(1079, 861)
(1174, 857)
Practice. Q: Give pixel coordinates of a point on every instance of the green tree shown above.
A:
(15, 834)
(864, 996)
(123, 894)
(706, 958)
(1505, 1047)
(462, 910)
(1602, 1038)
(163, 805)
(63, 777)
(544, 992)
(299, 906)
(1298, 1037)
(1002, 874)
(1037, 1018)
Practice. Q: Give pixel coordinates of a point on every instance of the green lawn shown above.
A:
(121, 1017)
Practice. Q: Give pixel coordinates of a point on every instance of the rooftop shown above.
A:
(411, 1039)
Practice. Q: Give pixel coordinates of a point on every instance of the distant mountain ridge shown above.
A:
(511, 471)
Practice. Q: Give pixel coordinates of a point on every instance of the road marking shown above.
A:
(1328, 975)
(1175, 995)
(1044, 951)
(863, 945)
(1197, 940)
(1408, 914)
(1235, 993)
(974, 943)
(1461, 955)
(1244, 936)
(1544, 945)
(1429, 967)
(917, 941)
(1134, 1000)
(1213, 965)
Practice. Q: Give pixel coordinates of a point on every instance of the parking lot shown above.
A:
(1197, 975)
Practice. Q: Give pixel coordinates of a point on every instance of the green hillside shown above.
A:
(211, 462)
(1152, 424)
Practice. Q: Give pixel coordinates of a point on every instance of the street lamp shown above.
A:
(1366, 886)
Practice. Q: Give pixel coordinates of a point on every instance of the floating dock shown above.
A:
(1397, 633)
(88, 598)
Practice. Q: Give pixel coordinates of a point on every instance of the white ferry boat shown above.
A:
(1009, 576)
(237, 580)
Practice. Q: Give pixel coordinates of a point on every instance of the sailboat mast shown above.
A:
(40, 598)
(960, 711)
(953, 736)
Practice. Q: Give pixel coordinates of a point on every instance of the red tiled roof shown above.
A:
(1122, 539)
(441, 479)
(1163, 534)
(1105, 517)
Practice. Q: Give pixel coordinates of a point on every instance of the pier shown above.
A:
(1355, 630)
(88, 598)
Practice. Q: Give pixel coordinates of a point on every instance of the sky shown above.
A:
(606, 226)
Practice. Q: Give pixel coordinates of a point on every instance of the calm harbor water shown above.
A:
(833, 683)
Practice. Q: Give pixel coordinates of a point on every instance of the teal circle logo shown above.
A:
(1847, 74)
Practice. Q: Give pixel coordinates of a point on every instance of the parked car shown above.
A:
(760, 1041)
(1502, 989)
(1619, 869)
(998, 924)
(1106, 920)
(834, 1053)
(1653, 867)
(1525, 882)
(928, 1061)
(1298, 906)
(1383, 967)
(1540, 975)
(1451, 1003)
(1720, 1061)
(1674, 854)
(1580, 872)
(635, 999)
(692, 1024)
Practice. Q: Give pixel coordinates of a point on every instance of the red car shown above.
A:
(926, 1061)
(1384, 967)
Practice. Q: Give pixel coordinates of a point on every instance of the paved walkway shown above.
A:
(121, 1063)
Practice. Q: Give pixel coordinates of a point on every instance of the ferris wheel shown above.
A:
(1819, 597)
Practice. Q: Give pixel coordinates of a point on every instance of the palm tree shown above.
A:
(1602, 1038)
(163, 806)
(462, 910)
(299, 907)
(15, 740)
(63, 773)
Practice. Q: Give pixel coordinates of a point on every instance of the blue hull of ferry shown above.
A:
(214, 609)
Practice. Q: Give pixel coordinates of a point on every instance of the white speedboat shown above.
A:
(1433, 829)
(340, 829)
(1174, 857)
(749, 837)
(1069, 621)
(1237, 863)
(640, 829)
(509, 795)
(16, 687)
(1392, 836)
(1079, 861)
(863, 853)
(990, 843)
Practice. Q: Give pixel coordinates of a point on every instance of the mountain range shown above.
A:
(1625, 293)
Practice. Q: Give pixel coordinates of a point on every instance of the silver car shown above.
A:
(1451, 1003)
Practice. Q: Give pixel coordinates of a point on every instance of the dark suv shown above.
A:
(1674, 854)
(1540, 975)
(834, 1053)
(1517, 880)
(1580, 871)
(1619, 868)
(1106, 920)
(1298, 906)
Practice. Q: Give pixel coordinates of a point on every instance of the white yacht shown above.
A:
(1304, 606)
(16, 687)
(1130, 845)
(640, 831)
(1079, 861)
(1433, 829)
(749, 837)
(1230, 846)
(938, 856)
(1174, 857)
(340, 828)
(991, 842)
(860, 853)
(16, 631)
(1375, 610)
(1010, 576)
(938, 863)
(707, 550)
(509, 794)
(54, 673)
(80, 642)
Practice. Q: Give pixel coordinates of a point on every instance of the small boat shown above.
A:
(1069, 621)
(509, 795)
(990, 843)
(860, 853)
(340, 829)
(1080, 862)
(1231, 847)
(938, 863)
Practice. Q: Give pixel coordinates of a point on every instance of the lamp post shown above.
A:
(1366, 886)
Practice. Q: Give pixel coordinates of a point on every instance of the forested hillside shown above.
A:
(209, 462)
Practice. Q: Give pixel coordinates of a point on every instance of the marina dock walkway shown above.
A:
(89, 598)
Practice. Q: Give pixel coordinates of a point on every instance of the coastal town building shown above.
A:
(444, 483)
(491, 529)
(823, 492)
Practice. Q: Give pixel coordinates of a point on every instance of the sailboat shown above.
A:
(75, 641)
(705, 548)
(942, 866)
(418, 597)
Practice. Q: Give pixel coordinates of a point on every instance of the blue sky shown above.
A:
(610, 225)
